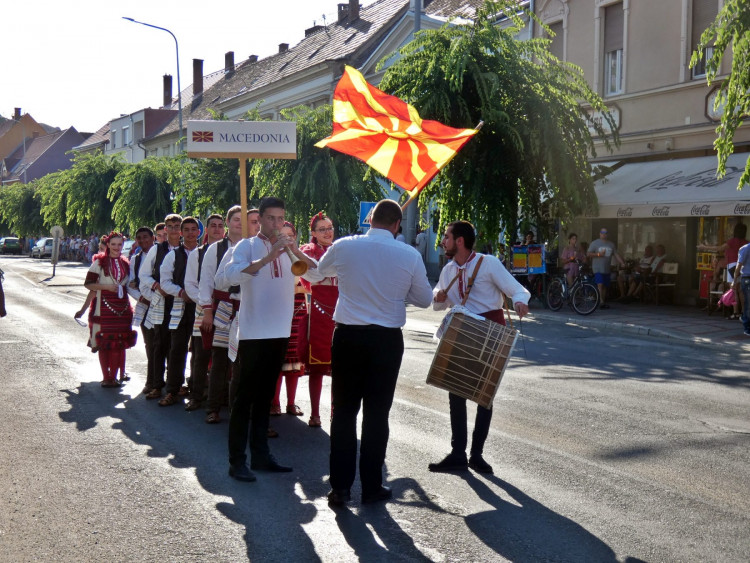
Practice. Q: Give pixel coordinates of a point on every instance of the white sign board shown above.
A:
(242, 139)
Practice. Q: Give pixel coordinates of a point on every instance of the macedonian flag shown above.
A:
(388, 134)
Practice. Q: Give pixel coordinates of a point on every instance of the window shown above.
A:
(614, 21)
(556, 47)
(113, 137)
(125, 136)
(704, 13)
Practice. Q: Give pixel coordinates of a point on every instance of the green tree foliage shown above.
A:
(731, 28)
(211, 185)
(143, 193)
(20, 209)
(535, 142)
(320, 179)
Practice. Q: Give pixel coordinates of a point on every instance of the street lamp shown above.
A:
(179, 86)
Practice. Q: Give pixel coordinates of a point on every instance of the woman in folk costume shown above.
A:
(294, 361)
(111, 314)
(324, 294)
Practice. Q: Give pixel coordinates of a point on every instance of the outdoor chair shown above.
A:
(664, 279)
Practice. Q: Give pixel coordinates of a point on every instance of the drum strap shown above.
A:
(470, 283)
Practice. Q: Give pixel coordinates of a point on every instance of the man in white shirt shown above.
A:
(485, 297)
(150, 275)
(201, 355)
(144, 236)
(376, 274)
(262, 268)
(172, 275)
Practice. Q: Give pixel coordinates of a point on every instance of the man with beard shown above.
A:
(485, 298)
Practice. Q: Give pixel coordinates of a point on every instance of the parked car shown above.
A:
(10, 245)
(127, 247)
(42, 248)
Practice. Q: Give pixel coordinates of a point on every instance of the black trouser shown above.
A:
(364, 370)
(459, 427)
(178, 349)
(218, 380)
(148, 342)
(162, 344)
(260, 364)
(199, 361)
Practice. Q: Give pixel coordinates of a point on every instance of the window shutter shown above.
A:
(614, 23)
(704, 13)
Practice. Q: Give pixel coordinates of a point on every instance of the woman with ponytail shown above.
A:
(111, 315)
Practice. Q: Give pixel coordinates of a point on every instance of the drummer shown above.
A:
(485, 297)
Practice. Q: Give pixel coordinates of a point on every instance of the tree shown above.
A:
(320, 179)
(535, 143)
(20, 209)
(143, 193)
(730, 28)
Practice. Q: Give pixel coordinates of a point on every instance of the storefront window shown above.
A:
(633, 236)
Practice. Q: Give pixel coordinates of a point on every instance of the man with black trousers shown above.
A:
(376, 275)
(261, 266)
(144, 237)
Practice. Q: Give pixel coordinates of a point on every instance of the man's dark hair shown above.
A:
(740, 230)
(188, 220)
(270, 202)
(145, 230)
(214, 216)
(387, 212)
(465, 230)
(160, 227)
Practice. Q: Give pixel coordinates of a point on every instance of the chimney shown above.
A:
(229, 62)
(353, 10)
(313, 30)
(197, 77)
(167, 91)
(16, 113)
(283, 47)
(343, 13)
(252, 59)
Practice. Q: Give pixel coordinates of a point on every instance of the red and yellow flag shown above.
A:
(388, 134)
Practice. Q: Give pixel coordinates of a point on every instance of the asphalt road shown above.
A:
(606, 447)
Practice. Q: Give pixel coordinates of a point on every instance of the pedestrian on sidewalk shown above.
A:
(601, 252)
(3, 312)
(742, 282)
(484, 296)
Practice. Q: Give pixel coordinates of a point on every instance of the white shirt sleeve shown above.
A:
(327, 264)
(507, 283)
(242, 257)
(420, 293)
(166, 272)
(220, 279)
(191, 276)
(146, 276)
(208, 271)
(446, 274)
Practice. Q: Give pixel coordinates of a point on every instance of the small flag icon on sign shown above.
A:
(203, 136)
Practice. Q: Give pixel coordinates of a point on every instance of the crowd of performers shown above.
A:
(183, 303)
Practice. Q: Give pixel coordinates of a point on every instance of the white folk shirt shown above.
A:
(376, 274)
(166, 271)
(492, 280)
(146, 272)
(209, 269)
(221, 282)
(267, 302)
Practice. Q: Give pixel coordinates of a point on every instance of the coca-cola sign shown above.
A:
(662, 211)
(624, 211)
(742, 209)
(701, 210)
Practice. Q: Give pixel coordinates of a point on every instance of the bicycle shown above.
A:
(582, 296)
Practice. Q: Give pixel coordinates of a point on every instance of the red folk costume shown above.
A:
(111, 315)
(324, 295)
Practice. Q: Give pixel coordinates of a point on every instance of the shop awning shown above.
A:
(685, 187)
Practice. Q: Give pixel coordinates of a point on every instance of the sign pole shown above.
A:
(243, 194)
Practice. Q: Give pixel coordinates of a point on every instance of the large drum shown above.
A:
(471, 357)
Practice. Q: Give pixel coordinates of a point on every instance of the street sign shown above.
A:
(57, 231)
(365, 213)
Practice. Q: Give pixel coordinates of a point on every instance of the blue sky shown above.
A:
(79, 63)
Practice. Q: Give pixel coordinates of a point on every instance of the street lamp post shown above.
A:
(179, 85)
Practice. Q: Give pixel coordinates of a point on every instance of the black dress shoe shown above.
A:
(477, 463)
(383, 493)
(339, 497)
(241, 473)
(270, 464)
(452, 462)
